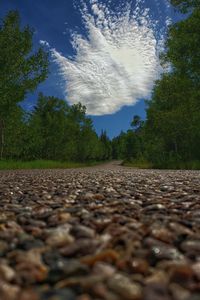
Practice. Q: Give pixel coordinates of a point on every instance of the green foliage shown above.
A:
(46, 128)
(21, 70)
(59, 132)
(106, 147)
(15, 132)
(186, 5)
(136, 123)
(170, 137)
(183, 46)
(53, 130)
(138, 163)
(130, 145)
(173, 114)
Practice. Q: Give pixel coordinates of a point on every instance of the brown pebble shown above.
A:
(157, 277)
(162, 234)
(196, 269)
(6, 272)
(181, 274)
(9, 291)
(124, 287)
(179, 292)
(107, 256)
(140, 266)
(156, 291)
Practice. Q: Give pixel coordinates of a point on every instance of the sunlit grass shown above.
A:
(41, 164)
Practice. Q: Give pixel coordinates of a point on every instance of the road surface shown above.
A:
(105, 232)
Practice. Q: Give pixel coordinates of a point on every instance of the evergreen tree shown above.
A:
(21, 70)
(173, 114)
(106, 146)
(47, 128)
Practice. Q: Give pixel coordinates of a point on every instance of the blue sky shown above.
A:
(54, 21)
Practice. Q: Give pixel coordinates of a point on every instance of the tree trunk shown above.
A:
(2, 138)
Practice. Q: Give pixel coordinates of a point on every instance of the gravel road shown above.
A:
(101, 233)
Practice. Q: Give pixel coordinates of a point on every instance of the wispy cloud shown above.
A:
(116, 64)
(44, 43)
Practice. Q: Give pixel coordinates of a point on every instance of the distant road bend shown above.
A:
(100, 233)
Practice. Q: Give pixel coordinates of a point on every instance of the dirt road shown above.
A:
(104, 232)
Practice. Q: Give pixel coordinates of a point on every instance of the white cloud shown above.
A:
(44, 43)
(116, 64)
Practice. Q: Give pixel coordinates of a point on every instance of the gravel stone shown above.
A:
(100, 233)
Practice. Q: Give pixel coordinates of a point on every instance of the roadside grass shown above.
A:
(42, 164)
(176, 165)
(139, 164)
(182, 165)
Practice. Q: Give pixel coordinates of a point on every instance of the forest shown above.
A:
(169, 137)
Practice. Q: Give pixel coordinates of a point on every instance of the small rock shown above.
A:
(162, 234)
(6, 272)
(104, 269)
(8, 291)
(166, 188)
(80, 231)
(99, 196)
(192, 247)
(101, 291)
(80, 247)
(178, 292)
(3, 248)
(88, 196)
(162, 252)
(64, 268)
(60, 236)
(124, 287)
(84, 297)
(60, 294)
(106, 255)
(139, 265)
(157, 277)
(196, 269)
(182, 274)
(154, 207)
(156, 291)
(28, 294)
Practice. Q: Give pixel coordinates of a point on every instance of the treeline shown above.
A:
(170, 136)
(52, 130)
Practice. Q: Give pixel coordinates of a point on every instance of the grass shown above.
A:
(50, 164)
(41, 164)
(138, 163)
(176, 165)
(182, 165)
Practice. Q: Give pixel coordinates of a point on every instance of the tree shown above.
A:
(137, 123)
(21, 70)
(119, 146)
(106, 146)
(15, 132)
(60, 132)
(170, 136)
(47, 128)
(183, 48)
(186, 5)
(173, 114)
